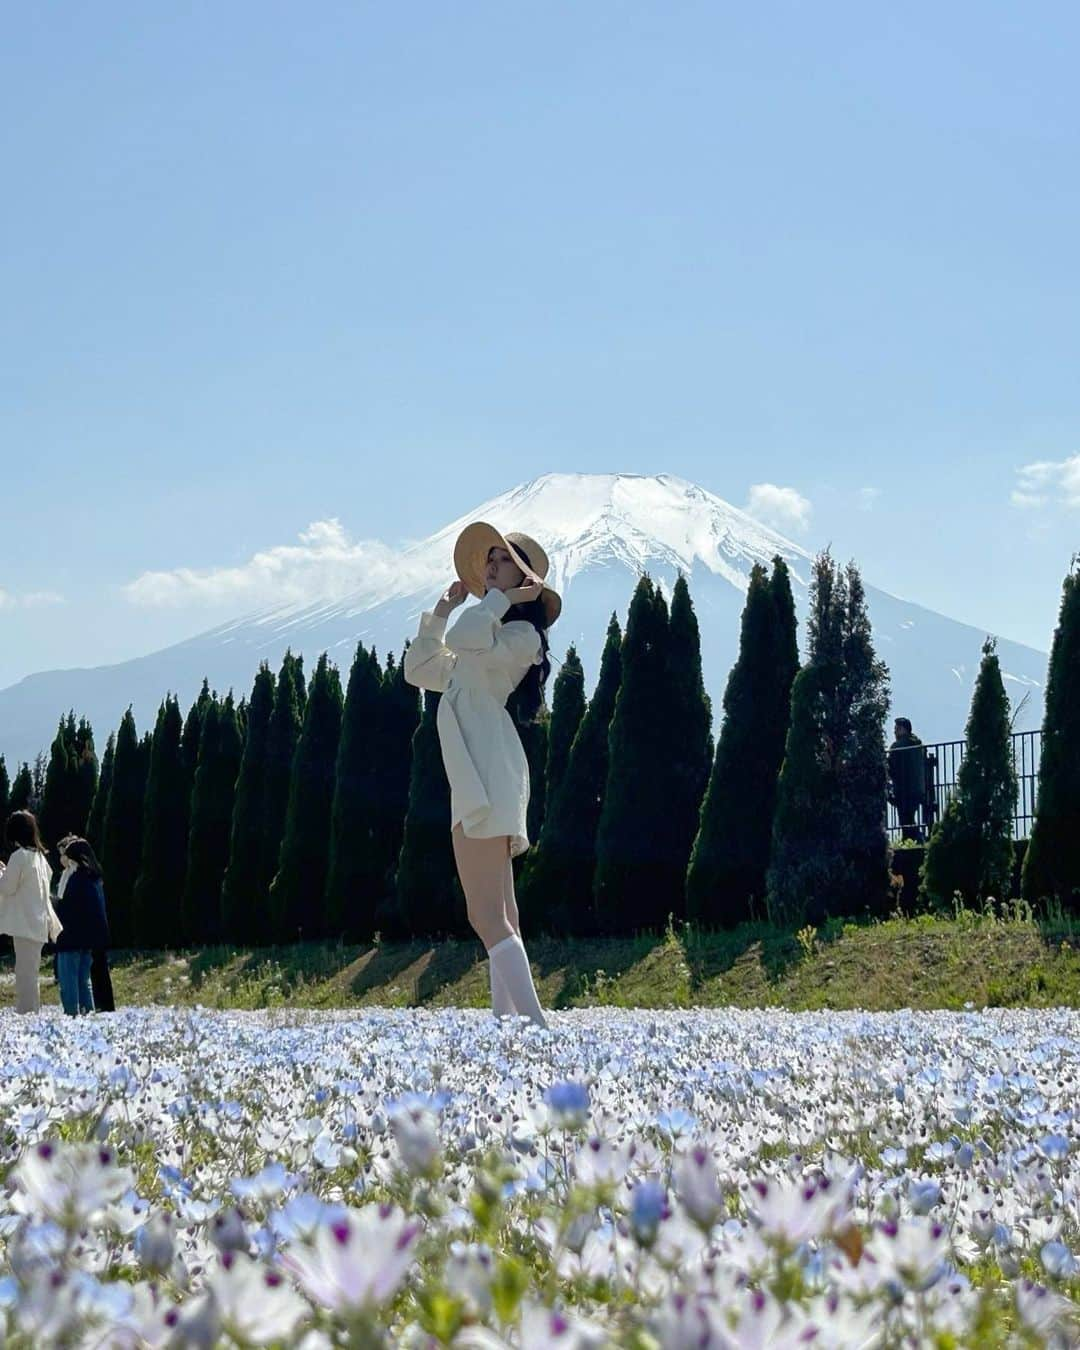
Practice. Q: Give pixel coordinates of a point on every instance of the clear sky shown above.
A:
(265, 265)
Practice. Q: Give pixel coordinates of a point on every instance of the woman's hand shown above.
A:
(454, 595)
(528, 591)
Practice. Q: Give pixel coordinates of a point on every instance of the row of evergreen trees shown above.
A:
(313, 811)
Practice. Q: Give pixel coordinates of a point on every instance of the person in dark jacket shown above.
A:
(81, 909)
(907, 777)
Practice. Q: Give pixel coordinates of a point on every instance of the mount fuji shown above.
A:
(601, 532)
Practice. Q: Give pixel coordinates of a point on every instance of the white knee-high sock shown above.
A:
(501, 1003)
(509, 961)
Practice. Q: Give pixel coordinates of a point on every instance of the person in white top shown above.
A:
(26, 910)
(489, 651)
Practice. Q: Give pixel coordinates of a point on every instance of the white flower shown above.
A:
(255, 1304)
(356, 1261)
(698, 1187)
(72, 1183)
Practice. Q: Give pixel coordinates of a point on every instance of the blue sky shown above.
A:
(266, 265)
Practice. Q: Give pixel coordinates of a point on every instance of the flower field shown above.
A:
(420, 1178)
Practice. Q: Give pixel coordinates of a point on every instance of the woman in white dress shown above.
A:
(488, 652)
(26, 910)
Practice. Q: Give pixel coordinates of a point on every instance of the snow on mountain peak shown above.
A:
(634, 519)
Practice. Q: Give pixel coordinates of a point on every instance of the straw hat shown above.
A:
(476, 541)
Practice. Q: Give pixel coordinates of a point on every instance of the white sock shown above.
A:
(509, 962)
(501, 1003)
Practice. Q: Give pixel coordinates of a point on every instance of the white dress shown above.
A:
(476, 666)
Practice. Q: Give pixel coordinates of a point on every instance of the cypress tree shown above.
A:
(634, 887)
(829, 847)
(245, 889)
(399, 716)
(355, 878)
(95, 825)
(297, 894)
(1052, 860)
(971, 849)
(567, 710)
(58, 798)
(689, 736)
(159, 888)
(22, 790)
(84, 787)
(726, 879)
(122, 834)
(38, 774)
(557, 881)
(282, 737)
(429, 900)
(212, 800)
(5, 791)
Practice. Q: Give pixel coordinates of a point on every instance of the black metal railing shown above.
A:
(912, 818)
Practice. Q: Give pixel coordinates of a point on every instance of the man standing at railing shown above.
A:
(907, 778)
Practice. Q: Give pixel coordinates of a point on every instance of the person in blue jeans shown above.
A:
(81, 908)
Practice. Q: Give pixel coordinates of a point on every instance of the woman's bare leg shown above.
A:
(481, 867)
(509, 897)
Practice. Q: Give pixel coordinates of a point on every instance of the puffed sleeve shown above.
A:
(479, 629)
(11, 875)
(429, 663)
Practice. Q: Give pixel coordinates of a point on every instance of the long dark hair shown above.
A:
(21, 831)
(80, 852)
(528, 698)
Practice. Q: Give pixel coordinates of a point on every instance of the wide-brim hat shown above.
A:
(476, 541)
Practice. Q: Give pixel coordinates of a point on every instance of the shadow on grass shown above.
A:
(384, 965)
(450, 962)
(714, 953)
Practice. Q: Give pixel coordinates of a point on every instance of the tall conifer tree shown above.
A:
(58, 798)
(246, 887)
(220, 749)
(634, 886)
(429, 899)
(829, 847)
(355, 878)
(1052, 861)
(557, 881)
(160, 885)
(971, 849)
(399, 716)
(95, 825)
(86, 775)
(122, 834)
(297, 895)
(282, 737)
(567, 710)
(726, 878)
(690, 738)
(5, 791)
(22, 790)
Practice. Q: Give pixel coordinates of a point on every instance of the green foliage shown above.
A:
(970, 851)
(95, 825)
(556, 884)
(399, 716)
(356, 872)
(297, 892)
(122, 833)
(634, 886)
(829, 847)
(726, 880)
(244, 891)
(5, 792)
(212, 798)
(1052, 862)
(429, 897)
(567, 710)
(160, 884)
(688, 715)
(56, 817)
(283, 735)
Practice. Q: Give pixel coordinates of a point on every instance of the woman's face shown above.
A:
(502, 574)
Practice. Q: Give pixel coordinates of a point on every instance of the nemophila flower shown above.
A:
(227, 1232)
(265, 1185)
(71, 1183)
(914, 1251)
(469, 1271)
(416, 1134)
(255, 1304)
(155, 1243)
(1058, 1261)
(1054, 1148)
(923, 1196)
(648, 1206)
(543, 1327)
(698, 1186)
(568, 1103)
(797, 1211)
(676, 1124)
(356, 1261)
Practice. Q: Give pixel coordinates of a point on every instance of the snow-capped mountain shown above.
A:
(601, 532)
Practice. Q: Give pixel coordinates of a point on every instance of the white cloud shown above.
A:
(1048, 482)
(31, 600)
(782, 507)
(867, 497)
(325, 564)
